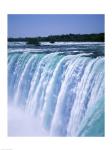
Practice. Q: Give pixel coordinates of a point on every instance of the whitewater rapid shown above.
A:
(64, 94)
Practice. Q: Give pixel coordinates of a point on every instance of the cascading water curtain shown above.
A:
(64, 93)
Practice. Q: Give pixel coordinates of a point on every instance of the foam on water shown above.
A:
(55, 94)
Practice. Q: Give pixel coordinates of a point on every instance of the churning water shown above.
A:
(56, 89)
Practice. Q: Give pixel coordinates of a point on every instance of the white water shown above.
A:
(53, 94)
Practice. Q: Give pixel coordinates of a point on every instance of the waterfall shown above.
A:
(64, 93)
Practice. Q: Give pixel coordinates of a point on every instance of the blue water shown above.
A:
(59, 87)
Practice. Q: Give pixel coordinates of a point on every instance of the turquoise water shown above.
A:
(62, 90)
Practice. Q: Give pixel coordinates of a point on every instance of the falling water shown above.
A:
(63, 93)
